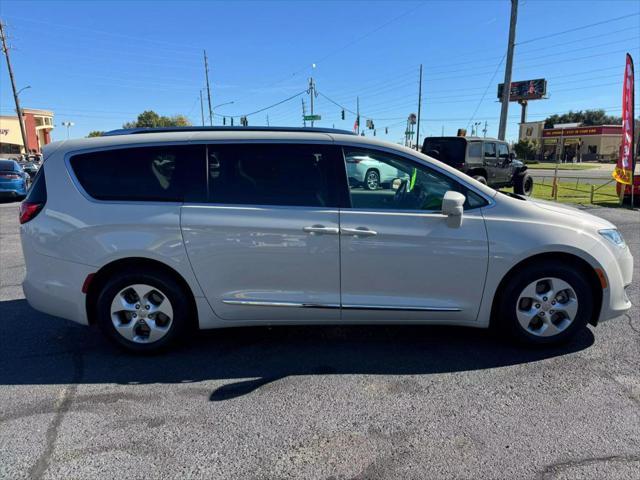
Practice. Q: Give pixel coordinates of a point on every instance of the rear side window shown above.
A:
(158, 173)
(272, 174)
(38, 190)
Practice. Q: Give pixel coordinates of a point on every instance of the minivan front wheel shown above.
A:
(545, 304)
(142, 312)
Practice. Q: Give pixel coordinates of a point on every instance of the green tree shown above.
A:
(586, 117)
(526, 149)
(95, 133)
(150, 119)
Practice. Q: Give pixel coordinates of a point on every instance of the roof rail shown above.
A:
(133, 131)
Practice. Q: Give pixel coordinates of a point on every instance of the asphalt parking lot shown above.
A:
(322, 402)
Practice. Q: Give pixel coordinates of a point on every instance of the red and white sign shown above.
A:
(623, 170)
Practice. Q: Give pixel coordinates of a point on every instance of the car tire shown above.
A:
(372, 180)
(545, 304)
(143, 311)
(481, 179)
(523, 185)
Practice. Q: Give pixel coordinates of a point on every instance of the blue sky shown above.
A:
(99, 64)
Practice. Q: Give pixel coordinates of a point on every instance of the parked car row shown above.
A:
(14, 179)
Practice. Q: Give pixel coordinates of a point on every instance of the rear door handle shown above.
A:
(358, 232)
(321, 229)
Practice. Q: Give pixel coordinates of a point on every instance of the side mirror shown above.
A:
(452, 207)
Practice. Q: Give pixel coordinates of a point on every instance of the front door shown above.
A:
(503, 170)
(490, 161)
(263, 239)
(400, 261)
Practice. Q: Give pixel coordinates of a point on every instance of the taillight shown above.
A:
(10, 176)
(353, 160)
(29, 210)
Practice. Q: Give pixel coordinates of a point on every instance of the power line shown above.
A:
(575, 29)
(473, 115)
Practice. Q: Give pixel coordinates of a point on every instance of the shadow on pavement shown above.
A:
(40, 349)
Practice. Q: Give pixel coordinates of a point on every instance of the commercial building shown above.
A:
(38, 125)
(574, 142)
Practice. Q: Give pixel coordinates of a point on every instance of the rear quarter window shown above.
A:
(157, 173)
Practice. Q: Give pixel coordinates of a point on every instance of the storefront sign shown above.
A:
(581, 131)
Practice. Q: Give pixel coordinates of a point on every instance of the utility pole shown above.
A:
(419, 108)
(268, 120)
(304, 114)
(201, 108)
(506, 90)
(5, 50)
(443, 130)
(206, 73)
(311, 92)
(358, 114)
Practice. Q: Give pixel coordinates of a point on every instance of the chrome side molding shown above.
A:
(263, 303)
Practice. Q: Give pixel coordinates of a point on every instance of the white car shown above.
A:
(148, 233)
(365, 171)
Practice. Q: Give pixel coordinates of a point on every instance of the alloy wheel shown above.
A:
(373, 180)
(141, 313)
(547, 307)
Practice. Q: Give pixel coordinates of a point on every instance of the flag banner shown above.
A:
(623, 170)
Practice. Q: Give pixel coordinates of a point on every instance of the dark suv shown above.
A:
(488, 160)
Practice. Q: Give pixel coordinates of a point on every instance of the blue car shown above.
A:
(13, 180)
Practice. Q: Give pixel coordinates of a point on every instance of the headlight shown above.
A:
(613, 236)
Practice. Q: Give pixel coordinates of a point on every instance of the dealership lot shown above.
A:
(321, 402)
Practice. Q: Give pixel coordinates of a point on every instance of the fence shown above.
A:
(577, 189)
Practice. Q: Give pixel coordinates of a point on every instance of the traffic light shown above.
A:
(224, 120)
(342, 114)
(386, 130)
(232, 121)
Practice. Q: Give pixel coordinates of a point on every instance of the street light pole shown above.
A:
(506, 90)
(68, 125)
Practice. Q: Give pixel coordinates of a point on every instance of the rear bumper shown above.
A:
(54, 286)
(12, 191)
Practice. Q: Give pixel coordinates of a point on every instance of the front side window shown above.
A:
(503, 151)
(400, 183)
(271, 174)
(490, 150)
(156, 173)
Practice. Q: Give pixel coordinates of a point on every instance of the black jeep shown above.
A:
(486, 159)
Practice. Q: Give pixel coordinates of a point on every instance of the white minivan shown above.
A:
(149, 233)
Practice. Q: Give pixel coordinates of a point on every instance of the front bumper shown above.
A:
(615, 301)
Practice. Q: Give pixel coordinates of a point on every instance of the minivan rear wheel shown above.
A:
(545, 304)
(142, 311)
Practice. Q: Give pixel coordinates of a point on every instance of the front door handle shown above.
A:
(313, 229)
(358, 232)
